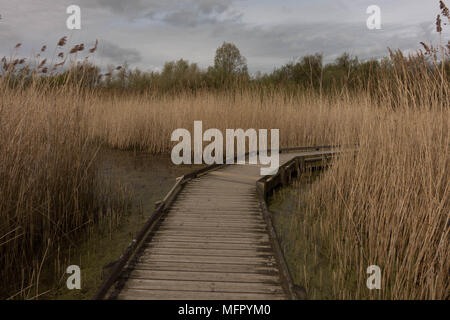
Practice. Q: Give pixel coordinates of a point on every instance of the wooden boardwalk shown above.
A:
(213, 241)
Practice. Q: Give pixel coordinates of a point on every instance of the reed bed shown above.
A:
(49, 187)
(388, 206)
(146, 122)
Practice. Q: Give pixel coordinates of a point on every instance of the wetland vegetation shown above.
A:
(64, 199)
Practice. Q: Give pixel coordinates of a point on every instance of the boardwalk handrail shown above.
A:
(134, 247)
(267, 184)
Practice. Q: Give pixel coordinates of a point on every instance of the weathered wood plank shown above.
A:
(203, 286)
(213, 227)
(236, 233)
(262, 239)
(136, 294)
(216, 225)
(215, 213)
(181, 217)
(143, 273)
(264, 261)
(208, 267)
(209, 252)
(207, 245)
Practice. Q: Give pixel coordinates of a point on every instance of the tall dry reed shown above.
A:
(49, 187)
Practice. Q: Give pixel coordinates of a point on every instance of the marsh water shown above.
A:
(149, 177)
(146, 179)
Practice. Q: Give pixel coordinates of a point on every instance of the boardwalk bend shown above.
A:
(212, 238)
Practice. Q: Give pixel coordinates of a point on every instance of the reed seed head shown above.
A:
(445, 11)
(92, 50)
(62, 41)
(42, 63)
(438, 24)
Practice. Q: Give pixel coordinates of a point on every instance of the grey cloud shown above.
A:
(118, 54)
(286, 42)
(185, 13)
(117, 6)
(193, 18)
(8, 35)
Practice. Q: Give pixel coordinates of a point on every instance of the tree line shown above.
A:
(347, 73)
(307, 73)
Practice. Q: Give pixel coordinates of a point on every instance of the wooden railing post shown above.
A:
(324, 161)
(302, 166)
(283, 175)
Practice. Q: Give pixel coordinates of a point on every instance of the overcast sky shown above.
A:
(146, 33)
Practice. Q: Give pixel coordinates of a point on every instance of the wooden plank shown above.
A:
(234, 176)
(218, 232)
(222, 190)
(214, 225)
(220, 184)
(215, 186)
(136, 294)
(218, 205)
(179, 216)
(211, 212)
(207, 245)
(160, 237)
(142, 273)
(207, 267)
(251, 211)
(203, 286)
(213, 190)
(209, 218)
(237, 217)
(209, 252)
(264, 261)
(230, 180)
(214, 197)
(213, 228)
(209, 236)
(222, 225)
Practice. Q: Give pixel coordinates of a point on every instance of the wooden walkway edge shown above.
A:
(212, 237)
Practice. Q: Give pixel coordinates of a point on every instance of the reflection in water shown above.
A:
(148, 176)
